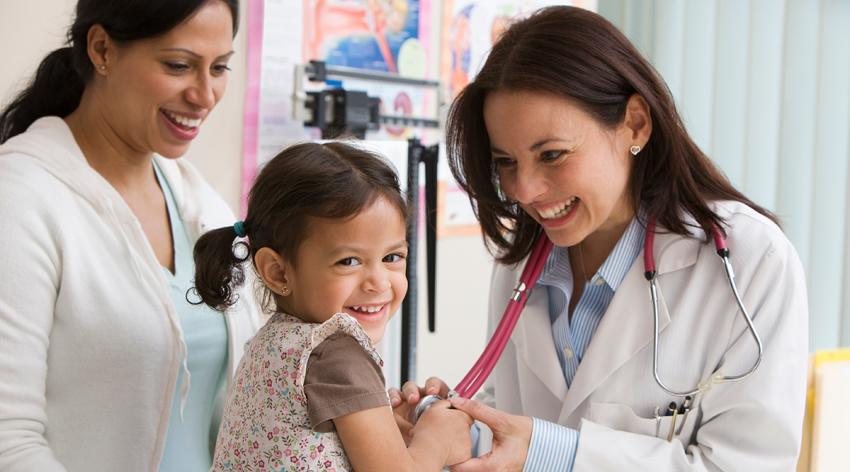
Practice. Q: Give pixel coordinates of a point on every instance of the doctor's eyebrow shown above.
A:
(534, 147)
(196, 55)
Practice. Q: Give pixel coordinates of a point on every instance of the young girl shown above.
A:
(325, 230)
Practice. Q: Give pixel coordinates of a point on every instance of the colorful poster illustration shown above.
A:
(364, 34)
(471, 27)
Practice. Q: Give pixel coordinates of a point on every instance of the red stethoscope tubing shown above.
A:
(485, 364)
(649, 242)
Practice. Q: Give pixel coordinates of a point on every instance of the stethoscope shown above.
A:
(534, 266)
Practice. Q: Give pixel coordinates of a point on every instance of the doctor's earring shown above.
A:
(634, 150)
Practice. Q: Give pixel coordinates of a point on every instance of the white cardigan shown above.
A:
(90, 343)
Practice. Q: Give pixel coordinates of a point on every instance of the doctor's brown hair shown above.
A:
(580, 56)
(305, 181)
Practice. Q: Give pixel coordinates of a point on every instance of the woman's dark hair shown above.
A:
(310, 180)
(58, 84)
(578, 55)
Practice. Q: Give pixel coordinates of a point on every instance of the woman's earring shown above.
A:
(285, 291)
(634, 150)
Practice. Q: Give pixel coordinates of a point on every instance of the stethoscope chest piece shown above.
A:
(423, 405)
(427, 402)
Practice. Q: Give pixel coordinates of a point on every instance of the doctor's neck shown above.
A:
(596, 246)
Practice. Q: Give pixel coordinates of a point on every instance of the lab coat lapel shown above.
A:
(627, 326)
(535, 346)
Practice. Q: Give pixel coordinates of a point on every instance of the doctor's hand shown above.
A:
(404, 401)
(443, 428)
(511, 437)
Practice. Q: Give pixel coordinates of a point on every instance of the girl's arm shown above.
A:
(373, 442)
(346, 392)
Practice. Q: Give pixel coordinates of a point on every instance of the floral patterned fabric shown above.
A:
(265, 425)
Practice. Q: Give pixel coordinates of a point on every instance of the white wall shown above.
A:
(28, 31)
(32, 28)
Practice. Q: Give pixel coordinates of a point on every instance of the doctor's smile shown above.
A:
(557, 211)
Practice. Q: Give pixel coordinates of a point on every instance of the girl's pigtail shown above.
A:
(218, 268)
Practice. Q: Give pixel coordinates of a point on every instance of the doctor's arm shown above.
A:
(29, 260)
(519, 442)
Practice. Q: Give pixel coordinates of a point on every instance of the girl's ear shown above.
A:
(272, 269)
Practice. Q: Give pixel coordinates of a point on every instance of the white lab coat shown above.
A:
(751, 425)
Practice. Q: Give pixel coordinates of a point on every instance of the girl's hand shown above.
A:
(511, 437)
(404, 401)
(410, 393)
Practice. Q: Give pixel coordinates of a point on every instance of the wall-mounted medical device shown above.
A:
(337, 111)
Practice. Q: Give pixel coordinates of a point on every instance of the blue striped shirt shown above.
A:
(553, 447)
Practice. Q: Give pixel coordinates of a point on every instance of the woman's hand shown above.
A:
(404, 401)
(511, 437)
(444, 428)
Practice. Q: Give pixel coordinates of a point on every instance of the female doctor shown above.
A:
(568, 130)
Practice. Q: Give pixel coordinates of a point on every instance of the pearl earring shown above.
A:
(634, 150)
(102, 67)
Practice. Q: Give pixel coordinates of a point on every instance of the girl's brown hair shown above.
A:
(578, 55)
(304, 181)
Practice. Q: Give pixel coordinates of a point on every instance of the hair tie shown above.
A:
(239, 228)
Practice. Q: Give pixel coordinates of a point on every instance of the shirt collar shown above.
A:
(557, 271)
(618, 263)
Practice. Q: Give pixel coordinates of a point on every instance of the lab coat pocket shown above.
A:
(622, 417)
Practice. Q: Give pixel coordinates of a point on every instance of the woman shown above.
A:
(567, 130)
(99, 218)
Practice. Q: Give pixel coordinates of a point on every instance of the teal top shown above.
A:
(188, 442)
